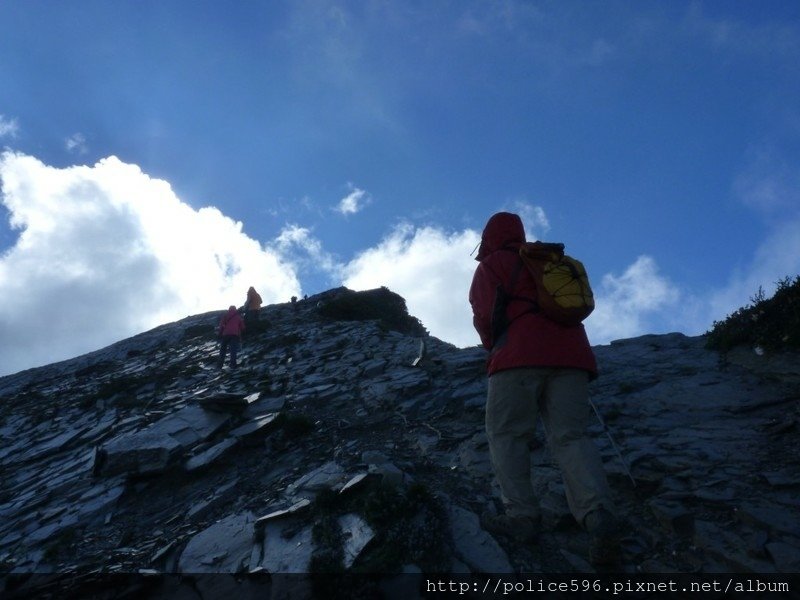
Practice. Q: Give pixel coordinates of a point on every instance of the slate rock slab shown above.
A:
(673, 516)
(730, 548)
(294, 509)
(222, 548)
(253, 430)
(287, 549)
(264, 406)
(785, 556)
(210, 455)
(331, 475)
(139, 452)
(357, 535)
(227, 401)
(777, 520)
(479, 550)
(152, 449)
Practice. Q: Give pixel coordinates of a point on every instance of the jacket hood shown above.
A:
(232, 310)
(503, 229)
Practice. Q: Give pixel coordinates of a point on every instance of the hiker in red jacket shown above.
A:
(536, 367)
(231, 327)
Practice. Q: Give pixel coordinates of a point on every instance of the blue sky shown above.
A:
(161, 157)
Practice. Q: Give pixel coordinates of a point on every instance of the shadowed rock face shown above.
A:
(341, 444)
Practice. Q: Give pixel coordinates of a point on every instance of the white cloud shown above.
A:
(8, 127)
(302, 250)
(600, 52)
(773, 39)
(353, 202)
(106, 251)
(770, 184)
(533, 218)
(630, 304)
(76, 144)
(431, 269)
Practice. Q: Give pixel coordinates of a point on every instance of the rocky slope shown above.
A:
(350, 440)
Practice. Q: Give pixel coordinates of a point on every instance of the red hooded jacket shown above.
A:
(231, 323)
(531, 340)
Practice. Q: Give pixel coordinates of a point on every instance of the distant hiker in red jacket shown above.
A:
(537, 367)
(252, 306)
(231, 327)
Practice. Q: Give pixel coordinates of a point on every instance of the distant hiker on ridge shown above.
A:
(252, 306)
(231, 327)
(536, 366)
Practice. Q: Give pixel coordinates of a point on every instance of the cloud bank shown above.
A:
(105, 252)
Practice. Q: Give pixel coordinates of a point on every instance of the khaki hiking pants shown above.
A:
(561, 396)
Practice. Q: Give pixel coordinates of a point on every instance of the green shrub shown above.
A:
(286, 341)
(99, 368)
(410, 524)
(772, 324)
(206, 331)
(328, 555)
(383, 305)
(294, 425)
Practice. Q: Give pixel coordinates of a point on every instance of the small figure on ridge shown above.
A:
(231, 327)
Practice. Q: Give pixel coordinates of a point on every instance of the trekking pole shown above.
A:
(613, 443)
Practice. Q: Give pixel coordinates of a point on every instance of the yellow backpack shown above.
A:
(563, 293)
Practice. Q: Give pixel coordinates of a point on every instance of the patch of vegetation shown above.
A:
(410, 526)
(59, 546)
(772, 324)
(204, 330)
(28, 397)
(626, 388)
(383, 305)
(328, 556)
(294, 425)
(687, 370)
(123, 387)
(99, 368)
(255, 327)
(285, 341)
(123, 384)
(327, 502)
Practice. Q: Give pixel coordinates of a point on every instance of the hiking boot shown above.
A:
(522, 529)
(604, 536)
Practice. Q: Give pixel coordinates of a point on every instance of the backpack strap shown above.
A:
(534, 303)
(503, 297)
